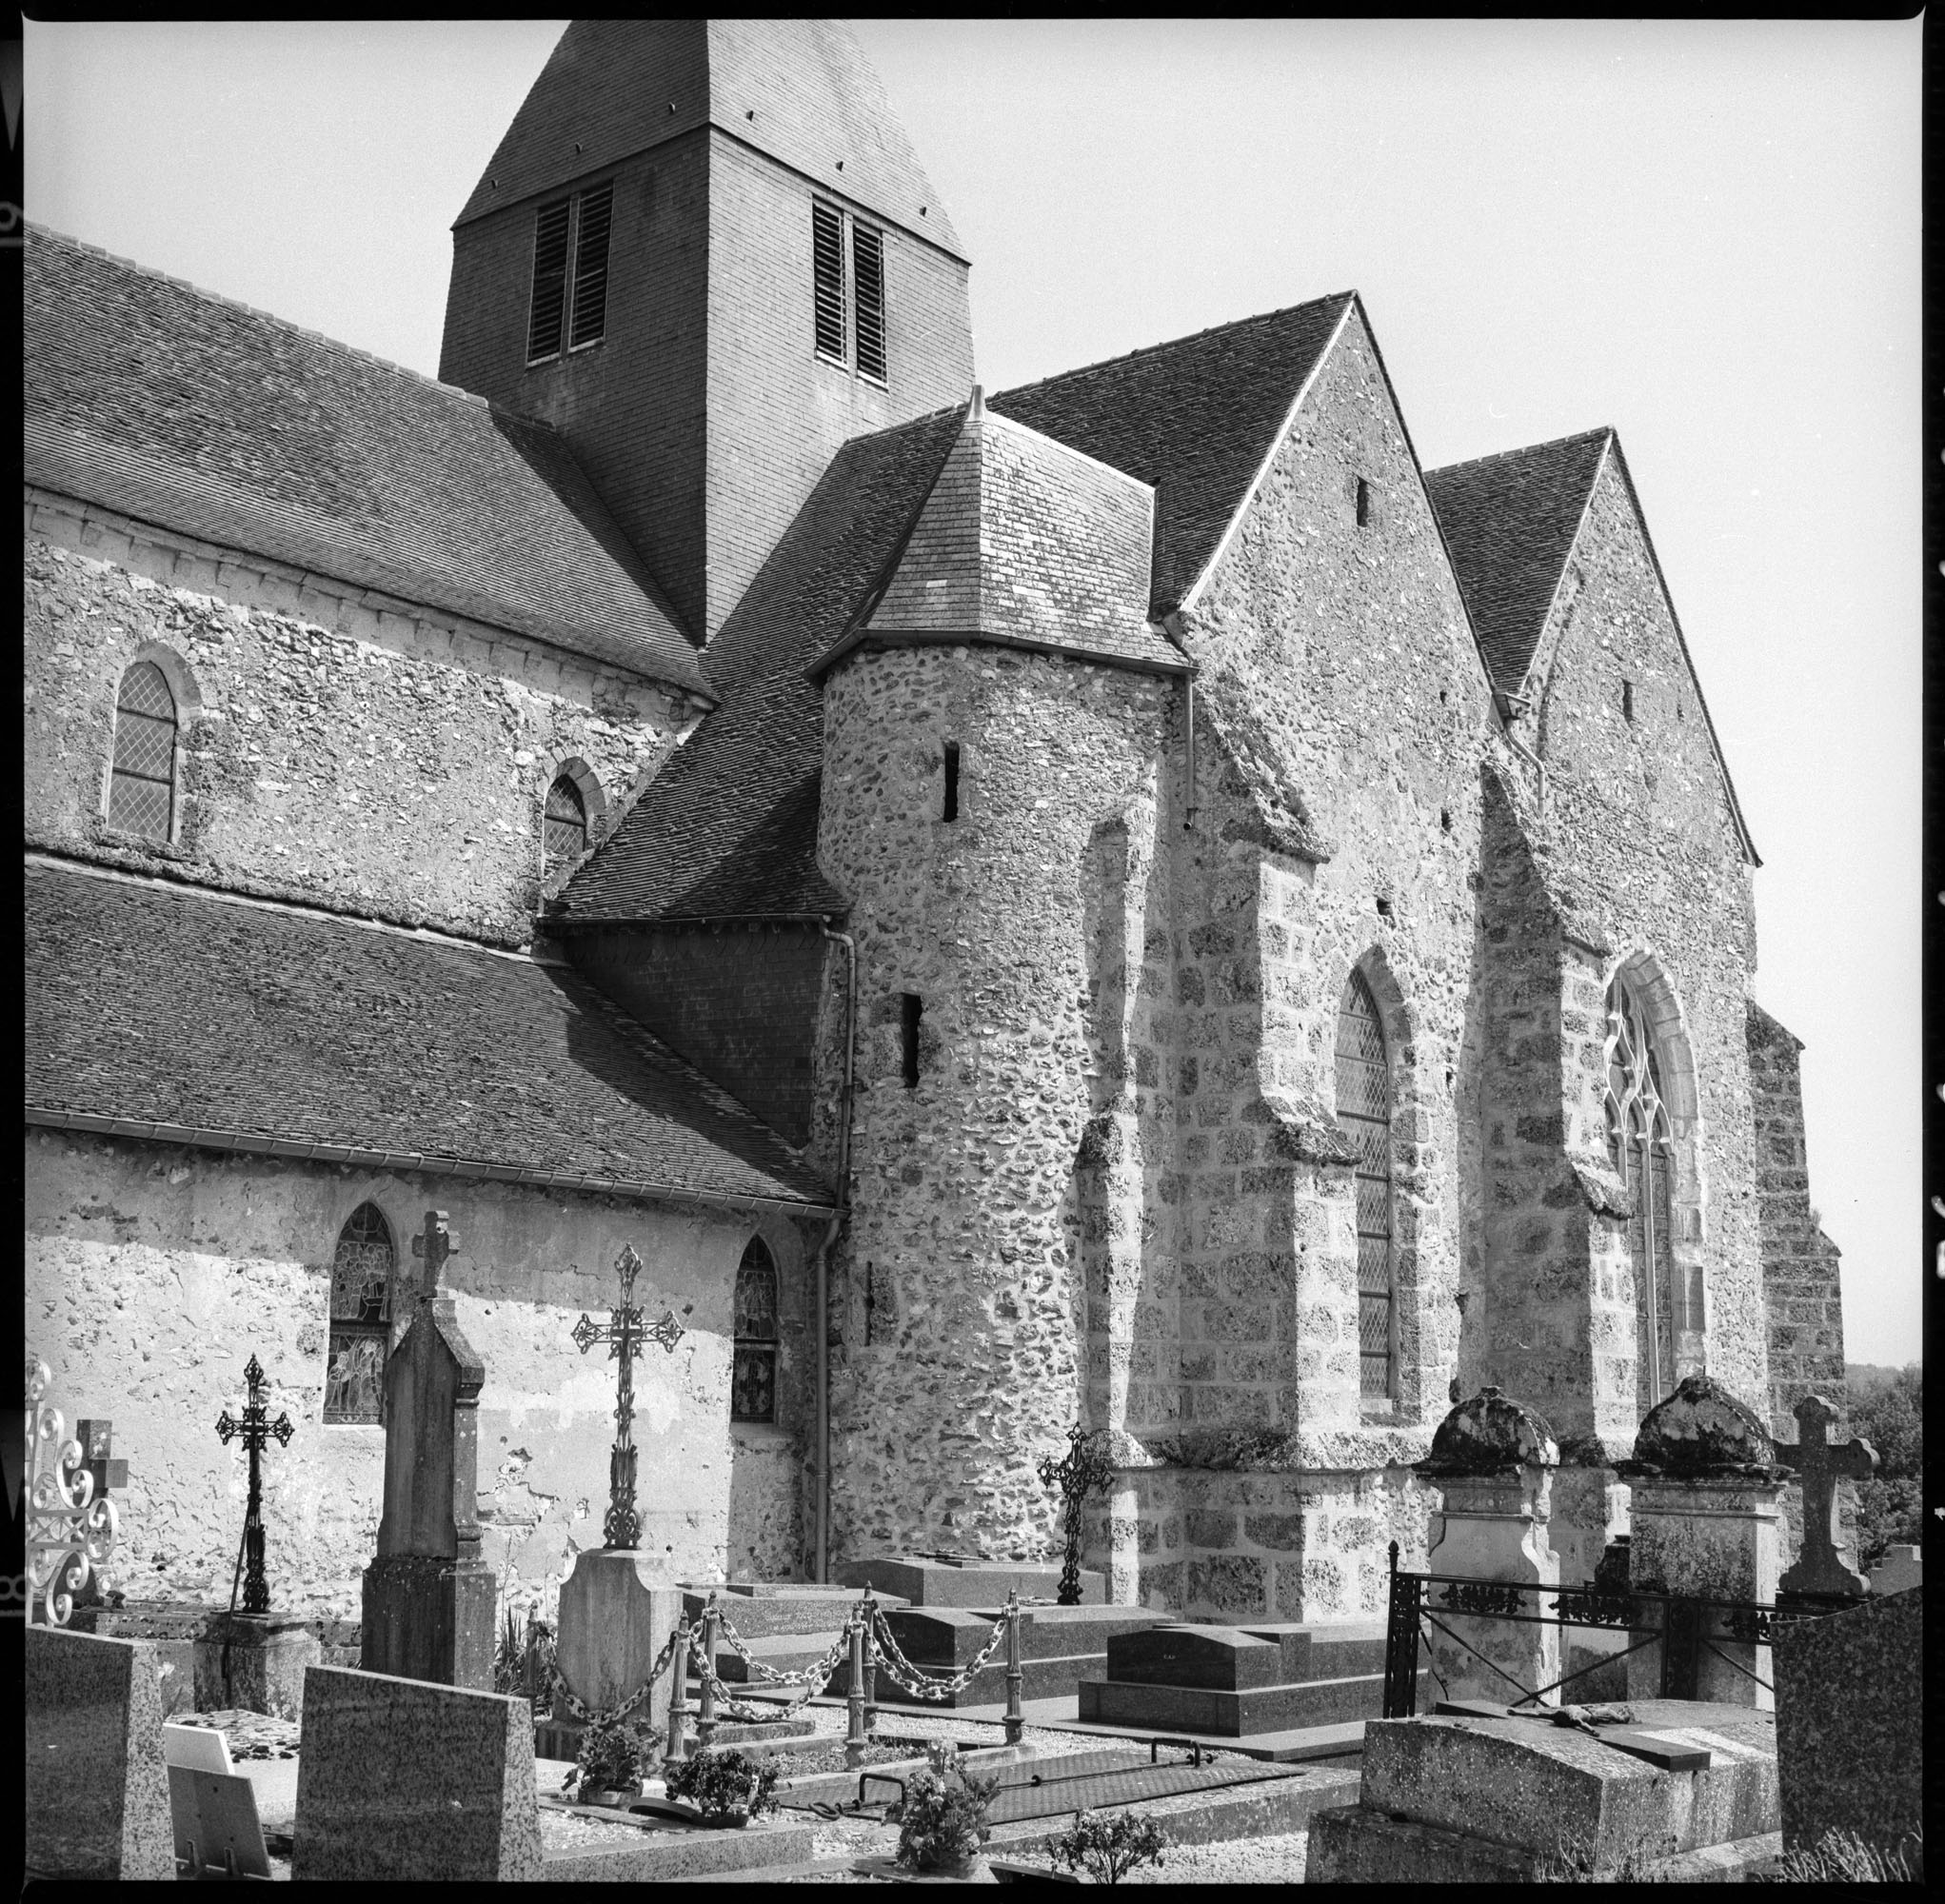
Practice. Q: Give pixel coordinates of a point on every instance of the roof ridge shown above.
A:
(1170, 344)
(47, 233)
(1526, 448)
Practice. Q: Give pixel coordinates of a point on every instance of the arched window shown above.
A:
(753, 1380)
(142, 781)
(566, 826)
(1364, 1109)
(361, 1286)
(1644, 1144)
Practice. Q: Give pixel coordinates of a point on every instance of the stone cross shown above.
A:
(625, 1334)
(1820, 1567)
(256, 1428)
(1082, 1470)
(432, 1246)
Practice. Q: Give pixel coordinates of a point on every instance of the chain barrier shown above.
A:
(813, 1681)
(769, 1673)
(610, 1716)
(921, 1683)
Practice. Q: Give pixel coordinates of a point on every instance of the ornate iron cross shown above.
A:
(256, 1428)
(1082, 1470)
(625, 1332)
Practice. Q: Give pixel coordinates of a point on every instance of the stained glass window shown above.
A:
(360, 1317)
(142, 784)
(1364, 1110)
(565, 825)
(753, 1379)
(1644, 1146)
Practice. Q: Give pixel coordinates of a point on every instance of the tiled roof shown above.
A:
(729, 827)
(171, 1005)
(1027, 542)
(1509, 522)
(181, 408)
(1193, 419)
(800, 91)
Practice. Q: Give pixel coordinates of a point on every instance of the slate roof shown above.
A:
(1025, 541)
(168, 1005)
(729, 827)
(170, 405)
(800, 91)
(1193, 419)
(1509, 522)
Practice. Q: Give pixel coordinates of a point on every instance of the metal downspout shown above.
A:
(822, 1459)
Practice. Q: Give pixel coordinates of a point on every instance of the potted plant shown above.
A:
(608, 1768)
(942, 1822)
(726, 1788)
(1108, 1848)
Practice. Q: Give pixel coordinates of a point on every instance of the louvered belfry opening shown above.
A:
(1644, 1144)
(142, 781)
(1364, 1110)
(564, 827)
(827, 273)
(549, 280)
(361, 1311)
(753, 1377)
(591, 266)
(867, 277)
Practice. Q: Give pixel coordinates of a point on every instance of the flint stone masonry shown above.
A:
(329, 739)
(154, 1271)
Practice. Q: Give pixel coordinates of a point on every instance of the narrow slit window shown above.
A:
(361, 1312)
(867, 276)
(1627, 700)
(550, 282)
(951, 811)
(753, 1372)
(591, 266)
(827, 272)
(1363, 504)
(142, 779)
(909, 1038)
(1363, 1081)
(565, 828)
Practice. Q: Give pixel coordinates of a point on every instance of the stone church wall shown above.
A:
(366, 755)
(154, 1272)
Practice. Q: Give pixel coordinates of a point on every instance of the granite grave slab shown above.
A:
(965, 1581)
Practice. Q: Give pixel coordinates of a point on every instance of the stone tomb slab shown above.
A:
(763, 1610)
(98, 1795)
(954, 1581)
(408, 1780)
(1536, 1787)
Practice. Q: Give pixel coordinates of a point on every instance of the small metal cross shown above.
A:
(625, 1334)
(1083, 1470)
(256, 1428)
(432, 1245)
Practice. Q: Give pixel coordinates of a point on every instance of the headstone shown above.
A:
(429, 1598)
(1901, 1570)
(1706, 1526)
(98, 1802)
(1821, 1565)
(1850, 1723)
(403, 1780)
(1492, 1461)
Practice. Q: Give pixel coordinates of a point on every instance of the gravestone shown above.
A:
(405, 1780)
(1850, 1723)
(1492, 1461)
(428, 1598)
(97, 1799)
(1821, 1566)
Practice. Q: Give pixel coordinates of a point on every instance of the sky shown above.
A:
(1702, 234)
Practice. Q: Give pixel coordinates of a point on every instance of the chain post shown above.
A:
(1015, 1673)
(855, 1739)
(706, 1718)
(678, 1695)
(871, 1619)
(1401, 1643)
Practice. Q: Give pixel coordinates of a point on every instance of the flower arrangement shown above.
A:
(1108, 1848)
(610, 1759)
(721, 1785)
(943, 1818)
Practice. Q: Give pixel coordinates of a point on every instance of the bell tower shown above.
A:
(706, 253)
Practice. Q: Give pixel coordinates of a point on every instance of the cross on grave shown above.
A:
(625, 1334)
(256, 1428)
(432, 1245)
(96, 1439)
(1820, 1567)
(1082, 1470)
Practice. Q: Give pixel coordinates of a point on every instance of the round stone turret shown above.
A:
(1700, 1431)
(1490, 1435)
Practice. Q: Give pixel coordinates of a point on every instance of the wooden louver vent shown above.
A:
(550, 282)
(591, 266)
(868, 263)
(828, 269)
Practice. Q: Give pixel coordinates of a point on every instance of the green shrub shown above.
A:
(1842, 1858)
(720, 1783)
(943, 1818)
(1891, 1419)
(610, 1758)
(1108, 1848)
(523, 1658)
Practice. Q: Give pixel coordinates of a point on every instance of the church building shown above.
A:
(1124, 900)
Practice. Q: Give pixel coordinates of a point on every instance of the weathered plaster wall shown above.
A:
(154, 1272)
(350, 751)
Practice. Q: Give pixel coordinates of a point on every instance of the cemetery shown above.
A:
(965, 1719)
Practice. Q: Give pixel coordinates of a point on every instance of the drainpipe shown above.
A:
(821, 1464)
(1171, 627)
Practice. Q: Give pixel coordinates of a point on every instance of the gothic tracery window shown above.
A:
(361, 1304)
(1363, 1069)
(753, 1378)
(142, 781)
(1643, 1145)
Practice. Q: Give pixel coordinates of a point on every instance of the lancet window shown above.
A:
(1642, 1139)
(362, 1288)
(142, 781)
(753, 1378)
(1363, 1067)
